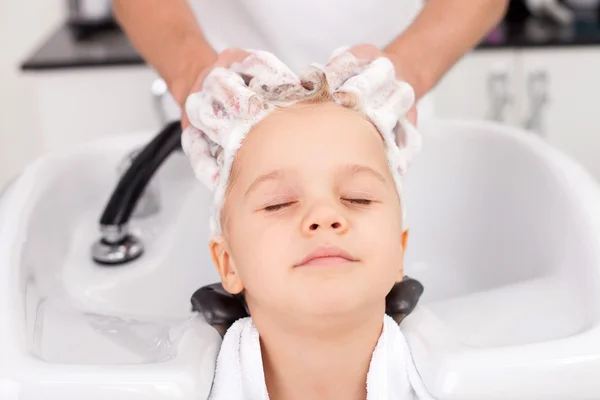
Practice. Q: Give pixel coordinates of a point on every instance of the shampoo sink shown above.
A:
(505, 237)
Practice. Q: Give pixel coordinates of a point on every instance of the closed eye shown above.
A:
(277, 207)
(363, 202)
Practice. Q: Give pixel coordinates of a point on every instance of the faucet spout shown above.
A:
(117, 245)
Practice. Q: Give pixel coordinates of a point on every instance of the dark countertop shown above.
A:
(65, 48)
(536, 33)
(110, 47)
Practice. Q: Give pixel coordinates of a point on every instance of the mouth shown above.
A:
(326, 256)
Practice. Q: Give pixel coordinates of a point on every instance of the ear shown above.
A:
(225, 265)
(403, 241)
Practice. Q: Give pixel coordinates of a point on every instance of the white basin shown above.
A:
(74, 330)
(504, 236)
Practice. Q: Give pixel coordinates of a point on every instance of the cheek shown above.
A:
(262, 258)
(381, 235)
(386, 220)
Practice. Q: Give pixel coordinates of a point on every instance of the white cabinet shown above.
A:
(480, 86)
(570, 119)
(551, 92)
(75, 105)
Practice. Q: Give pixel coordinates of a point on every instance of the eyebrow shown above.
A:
(355, 169)
(350, 169)
(271, 176)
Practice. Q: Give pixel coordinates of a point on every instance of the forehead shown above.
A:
(311, 137)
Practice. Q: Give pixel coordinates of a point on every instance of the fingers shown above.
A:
(409, 143)
(196, 146)
(185, 121)
(340, 68)
(230, 56)
(364, 77)
(229, 95)
(347, 62)
(366, 52)
(267, 75)
(378, 93)
(412, 115)
(225, 101)
(375, 84)
(226, 59)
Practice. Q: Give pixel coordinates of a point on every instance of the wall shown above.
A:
(23, 25)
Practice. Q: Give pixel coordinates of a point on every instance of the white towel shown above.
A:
(239, 375)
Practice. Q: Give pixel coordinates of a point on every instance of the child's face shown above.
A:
(308, 177)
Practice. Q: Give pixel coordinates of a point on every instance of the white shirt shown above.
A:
(300, 32)
(303, 31)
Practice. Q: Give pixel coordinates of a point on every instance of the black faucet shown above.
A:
(116, 245)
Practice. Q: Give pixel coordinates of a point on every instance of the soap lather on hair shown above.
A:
(234, 100)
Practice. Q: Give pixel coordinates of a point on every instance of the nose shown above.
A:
(322, 218)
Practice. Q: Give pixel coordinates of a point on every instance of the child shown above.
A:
(308, 225)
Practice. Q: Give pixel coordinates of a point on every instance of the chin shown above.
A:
(334, 300)
(337, 291)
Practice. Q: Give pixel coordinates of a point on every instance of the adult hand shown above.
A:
(225, 59)
(368, 53)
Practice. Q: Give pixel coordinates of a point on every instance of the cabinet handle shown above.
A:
(537, 92)
(499, 94)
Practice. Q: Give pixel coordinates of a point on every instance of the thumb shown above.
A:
(412, 115)
(185, 122)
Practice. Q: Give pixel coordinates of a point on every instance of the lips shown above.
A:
(326, 255)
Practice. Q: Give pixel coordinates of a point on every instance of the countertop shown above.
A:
(65, 48)
(110, 47)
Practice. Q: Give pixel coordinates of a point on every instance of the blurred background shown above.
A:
(68, 74)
